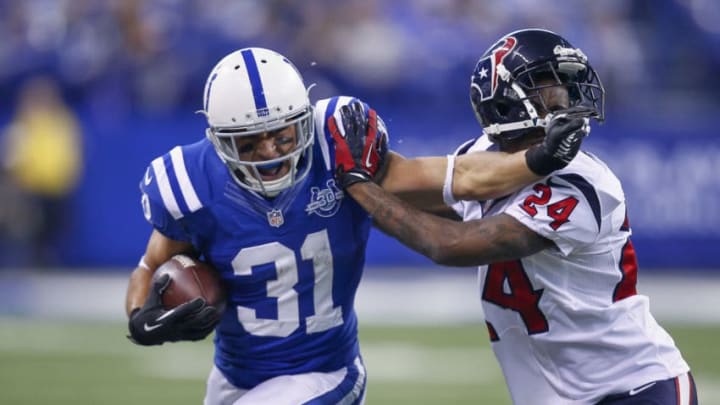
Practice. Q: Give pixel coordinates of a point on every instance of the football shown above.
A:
(190, 278)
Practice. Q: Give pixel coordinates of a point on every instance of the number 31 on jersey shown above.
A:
(315, 247)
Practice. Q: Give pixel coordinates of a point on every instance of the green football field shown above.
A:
(93, 363)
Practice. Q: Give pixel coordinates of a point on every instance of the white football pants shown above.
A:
(345, 386)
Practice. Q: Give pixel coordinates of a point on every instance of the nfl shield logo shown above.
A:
(275, 218)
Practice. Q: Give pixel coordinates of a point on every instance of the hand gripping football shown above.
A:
(189, 279)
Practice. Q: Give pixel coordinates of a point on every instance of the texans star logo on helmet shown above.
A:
(486, 72)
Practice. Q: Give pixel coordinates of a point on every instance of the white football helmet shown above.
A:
(256, 90)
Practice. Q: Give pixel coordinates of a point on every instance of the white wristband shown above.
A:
(447, 185)
(142, 263)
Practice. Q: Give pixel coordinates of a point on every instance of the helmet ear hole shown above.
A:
(502, 109)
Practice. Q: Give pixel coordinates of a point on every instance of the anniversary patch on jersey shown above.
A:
(325, 202)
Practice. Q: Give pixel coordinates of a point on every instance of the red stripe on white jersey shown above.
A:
(682, 388)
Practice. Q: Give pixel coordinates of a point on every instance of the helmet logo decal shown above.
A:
(325, 202)
(486, 71)
(256, 84)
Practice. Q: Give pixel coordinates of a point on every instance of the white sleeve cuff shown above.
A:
(142, 264)
(447, 185)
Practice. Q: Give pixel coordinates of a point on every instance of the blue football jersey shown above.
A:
(291, 264)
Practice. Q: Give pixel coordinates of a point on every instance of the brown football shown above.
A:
(190, 279)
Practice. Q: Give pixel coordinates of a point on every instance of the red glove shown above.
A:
(359, 152)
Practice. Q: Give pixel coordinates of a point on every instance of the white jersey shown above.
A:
(566, 324)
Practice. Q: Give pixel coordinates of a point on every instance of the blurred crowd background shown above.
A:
(92, 90)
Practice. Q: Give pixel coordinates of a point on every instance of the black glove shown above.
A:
(360, 152)
(563, 137)
(153, 325)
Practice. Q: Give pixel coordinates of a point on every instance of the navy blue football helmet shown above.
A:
(504, 85)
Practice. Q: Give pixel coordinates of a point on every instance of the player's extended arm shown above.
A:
(444, 241)
(476, 176)
(361, 154)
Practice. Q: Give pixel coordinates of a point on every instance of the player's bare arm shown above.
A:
(417, 181)
(476, 176)
(159, 250)
(488, 175)
(361, 147)
(444, 241)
